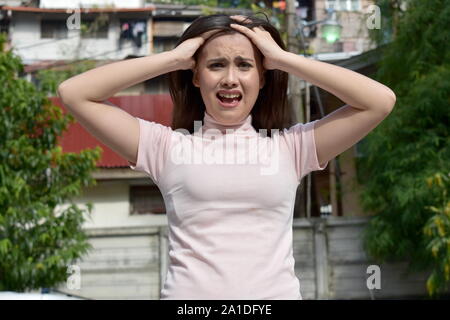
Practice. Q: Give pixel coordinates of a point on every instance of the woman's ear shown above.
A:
(194, 77)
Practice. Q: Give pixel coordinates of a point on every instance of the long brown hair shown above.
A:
(271, 107)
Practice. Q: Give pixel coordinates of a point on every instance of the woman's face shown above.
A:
(240, 69)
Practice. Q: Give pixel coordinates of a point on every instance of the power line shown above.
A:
(53, 41)
(44, 43)
(82, 59)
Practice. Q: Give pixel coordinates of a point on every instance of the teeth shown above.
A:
(229, 95)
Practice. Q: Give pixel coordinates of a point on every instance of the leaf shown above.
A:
(406, 169)
(5, 246)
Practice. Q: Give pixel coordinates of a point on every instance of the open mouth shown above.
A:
(230, 101)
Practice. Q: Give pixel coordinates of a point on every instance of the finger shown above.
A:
(245, 30)
(239, 18)
(208, 34)
(253, 29)
(240, 27)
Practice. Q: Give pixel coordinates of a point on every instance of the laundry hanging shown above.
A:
(132, 30)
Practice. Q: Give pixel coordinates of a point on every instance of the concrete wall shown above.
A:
(347, 263)
(124, 264)
(131, 263)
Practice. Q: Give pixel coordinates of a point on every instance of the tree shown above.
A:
(37, 242)
(47, 80)
(406, 170)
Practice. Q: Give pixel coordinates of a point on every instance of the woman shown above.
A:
(229, 187)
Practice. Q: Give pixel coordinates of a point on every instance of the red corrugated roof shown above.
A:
(151, 107)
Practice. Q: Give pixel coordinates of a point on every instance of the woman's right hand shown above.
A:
(185, 51)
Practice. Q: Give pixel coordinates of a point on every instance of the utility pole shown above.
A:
(295, 99)
(295, 84)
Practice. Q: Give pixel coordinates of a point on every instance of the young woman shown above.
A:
(228, 185)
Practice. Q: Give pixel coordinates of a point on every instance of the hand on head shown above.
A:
(186, 50)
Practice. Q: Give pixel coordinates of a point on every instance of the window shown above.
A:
(53, 29)
(344, 5)
(146, 199)
(97, 29)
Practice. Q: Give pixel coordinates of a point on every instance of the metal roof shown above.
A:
(152, 107)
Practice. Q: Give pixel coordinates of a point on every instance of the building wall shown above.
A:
(26, 38)
(354, 35)
(349, 185)
(112, 206)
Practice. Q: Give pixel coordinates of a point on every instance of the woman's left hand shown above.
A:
(263, 40)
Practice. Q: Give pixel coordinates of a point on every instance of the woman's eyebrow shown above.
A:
(220, 59)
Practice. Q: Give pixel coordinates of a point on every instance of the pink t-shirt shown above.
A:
(229, 198)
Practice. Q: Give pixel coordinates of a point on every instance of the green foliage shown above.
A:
(49, 79)
(91, 28)
(392, 11)
(37, 240)
(411, 148)
(437, 233)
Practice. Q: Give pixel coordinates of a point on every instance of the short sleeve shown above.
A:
(154, 144)
(301, 142)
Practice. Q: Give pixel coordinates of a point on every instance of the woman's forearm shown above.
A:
(101, 83)
(351, 87)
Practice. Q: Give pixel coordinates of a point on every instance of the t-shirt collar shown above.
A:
(242, 127)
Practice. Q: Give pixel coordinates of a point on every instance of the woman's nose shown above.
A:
(230, 78)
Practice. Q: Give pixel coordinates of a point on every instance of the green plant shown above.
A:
(49, 79)
(37, 240)
(411, 145)
(437, 233)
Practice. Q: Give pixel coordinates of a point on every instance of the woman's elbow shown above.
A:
(391, 100)
(63, 92)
